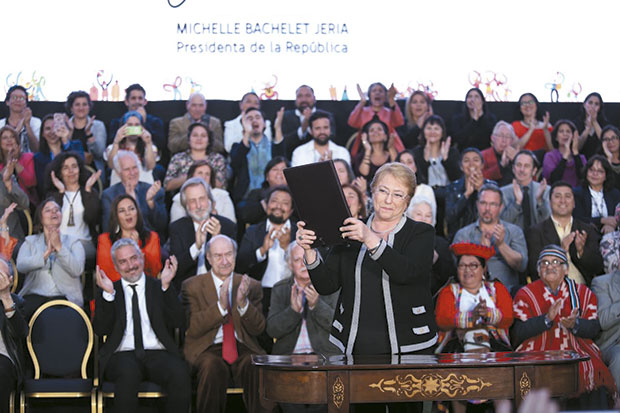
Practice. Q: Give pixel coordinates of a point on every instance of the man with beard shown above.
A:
(137, 314)
(249, 157)
(508, 240)
(262, 251)
(296, 122)
(321, 147)
(189, 234)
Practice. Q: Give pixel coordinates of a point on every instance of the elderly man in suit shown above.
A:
(526, 202)
(150, 198)
(607, 290)
(140, 347)
(188, 235)
(196, 112)
(225, 317)
(262, 250)
(579, 239)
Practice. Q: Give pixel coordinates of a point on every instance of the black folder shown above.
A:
(319, 200)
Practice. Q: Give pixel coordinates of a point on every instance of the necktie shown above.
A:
(137, 324)
(527, 211)
(229, 344)
(304, 305)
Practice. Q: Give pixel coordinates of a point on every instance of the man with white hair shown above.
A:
(188, 235)
(150, 198)
(140, 346)
(196, 112)
(498, 157)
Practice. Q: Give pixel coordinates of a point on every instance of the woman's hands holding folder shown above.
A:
(305, 238)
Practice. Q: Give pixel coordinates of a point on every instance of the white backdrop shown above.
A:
(225, 48)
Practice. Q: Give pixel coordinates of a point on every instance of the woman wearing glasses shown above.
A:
(532, 127)
(596, 199)
(556, 313)
(383, 273)
(610, 138)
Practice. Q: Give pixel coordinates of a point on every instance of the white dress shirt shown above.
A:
(277, 268)
(306, 153)
(219, 336)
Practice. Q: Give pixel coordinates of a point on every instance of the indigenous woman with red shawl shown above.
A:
(555, 313)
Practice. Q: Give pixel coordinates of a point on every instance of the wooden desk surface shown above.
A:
(341, 380)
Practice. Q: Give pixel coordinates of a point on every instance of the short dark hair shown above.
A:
(309, 87)
(250, 109)
(528, 153)
(38, 213)
(490, 186)
(74, 95)
(279, 188)
(471, 149)
(559, 184)
(209, 134)
(271, 164)
(197, 164)
(131, 88)
(319, 114)
(13, 89)
(433, 120)
(609, 175)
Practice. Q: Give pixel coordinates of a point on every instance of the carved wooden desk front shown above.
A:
(340, 380)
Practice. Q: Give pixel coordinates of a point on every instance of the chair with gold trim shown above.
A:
(60, 343)
(92, 170)
(25, 220)
(15, 277)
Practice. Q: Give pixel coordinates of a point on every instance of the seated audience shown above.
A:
(196, 112)
(251, 210)
(437, 162)
(188, 235)
(556, 313)
(263, 247)
(299, 318)
(596, 198)
(200, 148)
(377, 149)
(473, 314)
(13, 333)
(564, 163)
(150, 198)
(135, 101)
(417, 109)
(90, 132)
(424, 209)
(321, 147)
(140, 347)
(20, 118)
(233, 129)
(131, 136)
(590, 122)
(578, 239)
(24, 162)
(472, 128)
(126, 222)
(610, 247)
(249, 158)
(499, 156)
(225, 315)
(222, 204)
(607, 291)
(611, 149)
(380, 103)
(52, 261)
(531, 127)
(461, 195)
(11, 193)
(525, 191)
(53, 141)
(71, 187)
(489, 230)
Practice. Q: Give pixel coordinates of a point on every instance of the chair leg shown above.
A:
(93, 400)
(100, 401)
(12, 402)
(22, 402)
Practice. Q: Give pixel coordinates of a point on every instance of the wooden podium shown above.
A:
(341, 380)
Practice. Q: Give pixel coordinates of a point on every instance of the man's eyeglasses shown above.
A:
(554, 262)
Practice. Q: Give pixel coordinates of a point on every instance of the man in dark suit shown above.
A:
(150, 198)
(189, 234)
(579, 239)
(295, 124)
(141, 347)
(262, 250)
(225, 317)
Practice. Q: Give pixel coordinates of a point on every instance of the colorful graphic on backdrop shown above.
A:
(555, 85)
(269, 91)
(174, 88)
(103, 84)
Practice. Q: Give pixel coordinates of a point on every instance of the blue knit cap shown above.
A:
(554, 251)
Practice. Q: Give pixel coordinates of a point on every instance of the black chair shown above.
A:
(60, 342)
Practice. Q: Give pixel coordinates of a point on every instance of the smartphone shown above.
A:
(133, 130)
(59, 121)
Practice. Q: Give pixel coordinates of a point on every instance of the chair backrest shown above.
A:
(60, 340)
(99, 181)
(15, 276)
(25, 220)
